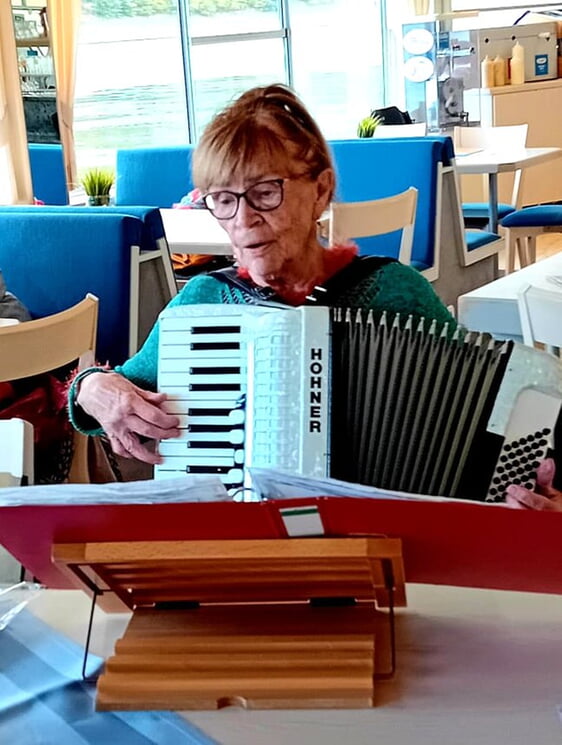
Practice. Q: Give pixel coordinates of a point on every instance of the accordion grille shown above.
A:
(408, 402)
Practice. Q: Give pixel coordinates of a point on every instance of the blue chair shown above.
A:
(522, 228)
(48, 174)
(159, 176)
(480, 243)
(50, 260)
(514, 137)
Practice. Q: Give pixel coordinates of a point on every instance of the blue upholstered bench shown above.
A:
(52, 256)
(522, 228)
(152, 225)
(159, 176)
(476, 239)
(372, 169)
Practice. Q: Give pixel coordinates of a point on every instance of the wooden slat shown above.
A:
(215, 571)
(261, 656)
(273, 549)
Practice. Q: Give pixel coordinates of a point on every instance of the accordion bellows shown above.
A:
(335, 392)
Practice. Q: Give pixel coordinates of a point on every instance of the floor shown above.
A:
(547, 245)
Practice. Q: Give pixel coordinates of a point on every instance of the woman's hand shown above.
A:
(126, 413)
(545, 496)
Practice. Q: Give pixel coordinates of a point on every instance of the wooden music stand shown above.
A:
(281, 623)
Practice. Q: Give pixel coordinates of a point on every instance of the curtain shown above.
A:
(64, 16)
(15, 176)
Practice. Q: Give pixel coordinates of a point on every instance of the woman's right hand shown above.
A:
(545, 496)
(126, 413)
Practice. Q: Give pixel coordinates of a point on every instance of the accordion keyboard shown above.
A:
(202, 368)
(250, 386)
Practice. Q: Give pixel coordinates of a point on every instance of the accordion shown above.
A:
(384, 402)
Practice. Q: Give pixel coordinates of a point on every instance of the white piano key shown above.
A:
(201, 398)
(200, 456)
(184, 338)
(209, 357)
(172, 379)
(233, 418)
(234, 437)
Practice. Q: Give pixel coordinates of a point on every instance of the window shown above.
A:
(487, 4)
(130, 88)
(330, 51)
(132, 77)
(338, 61)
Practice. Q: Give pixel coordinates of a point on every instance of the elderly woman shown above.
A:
(266, 174)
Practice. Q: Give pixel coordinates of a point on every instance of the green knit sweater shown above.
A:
(392, 287)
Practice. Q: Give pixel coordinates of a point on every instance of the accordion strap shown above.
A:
(357, 270)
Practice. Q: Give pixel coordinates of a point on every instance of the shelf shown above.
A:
(36, 41)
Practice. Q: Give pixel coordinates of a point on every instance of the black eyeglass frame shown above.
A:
(239, 194)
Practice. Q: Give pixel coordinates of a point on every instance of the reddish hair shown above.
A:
(269, 122)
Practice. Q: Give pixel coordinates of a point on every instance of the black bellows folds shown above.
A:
(410, 403)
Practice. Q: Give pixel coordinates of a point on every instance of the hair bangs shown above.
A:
(239, 153)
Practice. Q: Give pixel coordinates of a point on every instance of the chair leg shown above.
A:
(522, 250)
(531, 249)
(510, 248)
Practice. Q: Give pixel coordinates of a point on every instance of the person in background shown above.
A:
(10, 306)
(265, 172)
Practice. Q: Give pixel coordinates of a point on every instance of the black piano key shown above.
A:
(195, 387)
(208, 469)
(210, 445)
(195, 428)
(208, 346)
(208, 412)
(214, 330)
(214, 370)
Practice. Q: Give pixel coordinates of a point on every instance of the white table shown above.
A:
(194, 232)
(492, 162)
(474, 666)
(493, 307)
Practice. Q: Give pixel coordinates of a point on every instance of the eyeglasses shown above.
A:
(263, 196)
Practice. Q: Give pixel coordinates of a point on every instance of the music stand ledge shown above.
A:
(281, 623)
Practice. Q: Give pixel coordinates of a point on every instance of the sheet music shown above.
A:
(272, 483)
(192, 488)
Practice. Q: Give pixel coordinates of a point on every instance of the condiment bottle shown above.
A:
(487, 73)
(517, 64)
(499, 71)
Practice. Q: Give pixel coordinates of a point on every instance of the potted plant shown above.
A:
(97, 183)
(367, 126)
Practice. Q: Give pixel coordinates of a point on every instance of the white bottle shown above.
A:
(487, 73)
(517, 67)
(499, 71)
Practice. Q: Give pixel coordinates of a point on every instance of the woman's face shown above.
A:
(277, 244)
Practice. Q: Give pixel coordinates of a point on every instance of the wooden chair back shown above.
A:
(48, 343)
(350, 220)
